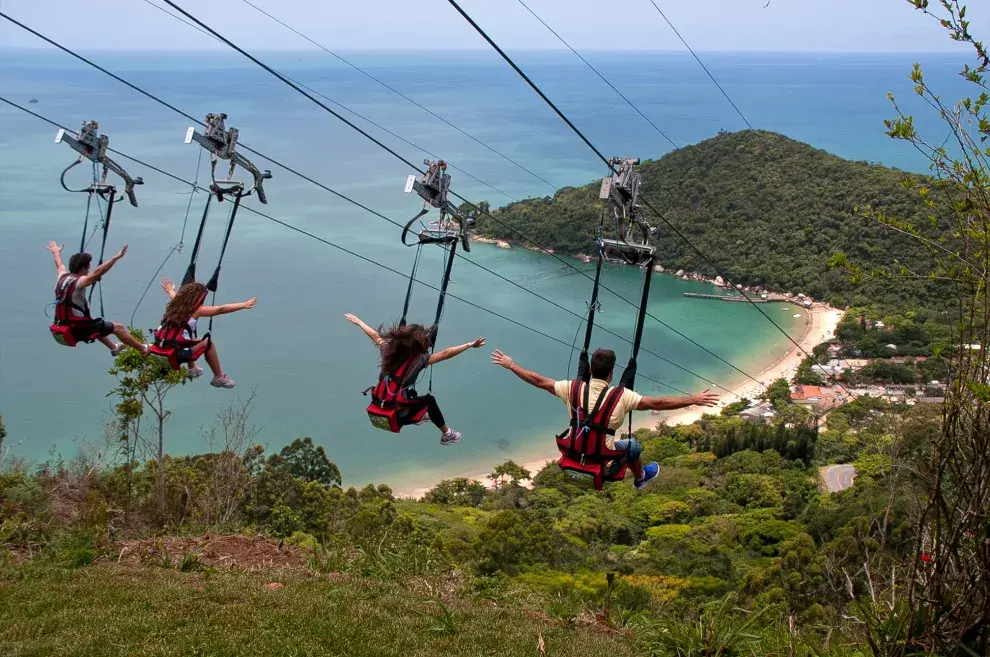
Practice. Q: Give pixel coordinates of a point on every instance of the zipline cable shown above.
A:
(349, 110)
(410, 164)
(608, 163)
(596, 72)
(698, 59)
(341, 196)
(400, 94)
(329, 243)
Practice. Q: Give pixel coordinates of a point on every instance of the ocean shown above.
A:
(307, 366)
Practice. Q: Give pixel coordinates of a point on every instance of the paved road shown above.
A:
(838, 477)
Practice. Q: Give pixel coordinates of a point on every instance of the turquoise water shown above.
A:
(307, 365)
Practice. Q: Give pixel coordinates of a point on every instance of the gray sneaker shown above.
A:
(450, 438)
(194, 371)
(222, 381)
(117, 348)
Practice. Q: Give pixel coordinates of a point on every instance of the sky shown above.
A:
(708, 25)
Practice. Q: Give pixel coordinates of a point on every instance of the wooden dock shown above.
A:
(769, 298)
(724, 297)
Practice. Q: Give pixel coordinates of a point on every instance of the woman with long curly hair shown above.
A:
(409, 345)
(178, 329)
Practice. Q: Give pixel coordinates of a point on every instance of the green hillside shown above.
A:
(767, 209)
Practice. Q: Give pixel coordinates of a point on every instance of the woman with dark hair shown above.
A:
(408, 347)
(178, 329)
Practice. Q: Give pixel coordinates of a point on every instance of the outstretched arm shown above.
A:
(57, 255)
(530, 377)
(97, 274)
(704, 398)
(370, 332)
(169, 287)
(450, 352)
(227, 308)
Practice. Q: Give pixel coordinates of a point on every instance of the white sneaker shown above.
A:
(222, 381)
(451, 437)
(193, 371)
(117, 348)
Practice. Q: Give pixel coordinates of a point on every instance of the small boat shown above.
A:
(33, 101)
(798, 315)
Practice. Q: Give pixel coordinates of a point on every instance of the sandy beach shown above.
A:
(821, 322)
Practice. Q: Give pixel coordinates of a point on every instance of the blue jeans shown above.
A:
(632, 447)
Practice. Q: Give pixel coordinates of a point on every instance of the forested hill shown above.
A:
(767, 209)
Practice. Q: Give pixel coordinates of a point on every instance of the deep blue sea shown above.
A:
(305, 363)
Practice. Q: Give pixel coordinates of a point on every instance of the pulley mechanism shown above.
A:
(222, 145)
(93, 146)
(432, 186)
(630, 239)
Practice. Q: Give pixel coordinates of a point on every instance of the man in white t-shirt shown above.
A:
(602, 368)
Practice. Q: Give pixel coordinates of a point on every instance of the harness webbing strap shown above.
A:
(190, 274)
(409, 287)
(443, 291)
(584, 366)
(82, 242)
(103, 248)
(628, 379)
(212, 284)
(214, 281)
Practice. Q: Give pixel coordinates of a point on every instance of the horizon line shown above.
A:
(214, 51)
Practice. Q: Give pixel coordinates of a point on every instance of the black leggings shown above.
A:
(428, 402)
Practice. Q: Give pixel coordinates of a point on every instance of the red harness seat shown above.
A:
(585, 457)
(393, 397)
(64, 321)
(170, 343)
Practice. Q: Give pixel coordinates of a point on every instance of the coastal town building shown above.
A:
(759, 412)
(818, 397)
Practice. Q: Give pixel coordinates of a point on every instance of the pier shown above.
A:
(770, 297)
(724, 297)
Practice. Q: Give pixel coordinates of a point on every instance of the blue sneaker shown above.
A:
(649, 474)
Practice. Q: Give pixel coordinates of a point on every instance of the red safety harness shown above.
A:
(584, 454)
(65, 321)
(392, 396)
(169, 340)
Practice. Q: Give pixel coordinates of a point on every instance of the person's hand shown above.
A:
(480, 342)
(250, 303)
(121, 253)
(498, 358)
(55, 248)
(353, 319)
(168, 285)
(704, 398)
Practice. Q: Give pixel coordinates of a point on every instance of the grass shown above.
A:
(131, 609)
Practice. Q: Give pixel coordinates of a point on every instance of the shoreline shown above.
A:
(820, 326)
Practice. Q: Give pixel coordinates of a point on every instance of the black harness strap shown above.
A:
(214, 281)
(190, 274)
(443, 291)
(584, 365)
(103, 246)
(409, 287)
(628, 378)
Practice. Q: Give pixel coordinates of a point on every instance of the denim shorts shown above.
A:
(632, 447)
